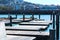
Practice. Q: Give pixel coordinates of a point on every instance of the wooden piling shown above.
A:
(57, 27)
(39, 16)
(52, 34)
(10, 20)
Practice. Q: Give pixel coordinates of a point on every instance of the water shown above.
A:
(46, 17)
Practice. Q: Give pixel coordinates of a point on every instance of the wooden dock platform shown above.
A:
(41, 21)
(27, 28)
(34, 23)
(11, 37)
(27, 33)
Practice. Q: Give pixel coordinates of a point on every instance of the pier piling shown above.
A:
(52, 34)
(10, 20)
(57, 27)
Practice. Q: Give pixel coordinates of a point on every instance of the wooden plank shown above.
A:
(10, 37)
(34, 23)
(41, 21)
(28, 33)
(57, 27)
(26, 27)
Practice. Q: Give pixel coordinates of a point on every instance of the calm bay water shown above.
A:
(46, 17)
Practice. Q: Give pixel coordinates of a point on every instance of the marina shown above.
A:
(21, 20)
(32, 28)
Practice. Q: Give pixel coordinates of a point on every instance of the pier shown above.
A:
(27, 28)
(43, 23)
(11, 37)
(34, 28)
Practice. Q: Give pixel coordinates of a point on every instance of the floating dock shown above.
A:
(28, 33)
(34, 23)
(27, 28)
(41, 21)
(11, 37)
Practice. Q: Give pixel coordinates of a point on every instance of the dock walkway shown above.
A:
(41, 21)
(28, 33)
(11, 37)
(33, 22)
(26, 28)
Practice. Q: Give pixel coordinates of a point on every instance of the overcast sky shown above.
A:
(45, 2)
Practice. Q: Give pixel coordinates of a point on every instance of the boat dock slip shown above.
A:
(10, 37)
(42, 21)
(27, 27)
(35, 23)
(27, 33)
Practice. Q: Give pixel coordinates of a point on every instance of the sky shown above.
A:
(45, 2)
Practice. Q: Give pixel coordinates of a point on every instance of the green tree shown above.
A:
(6, 8)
